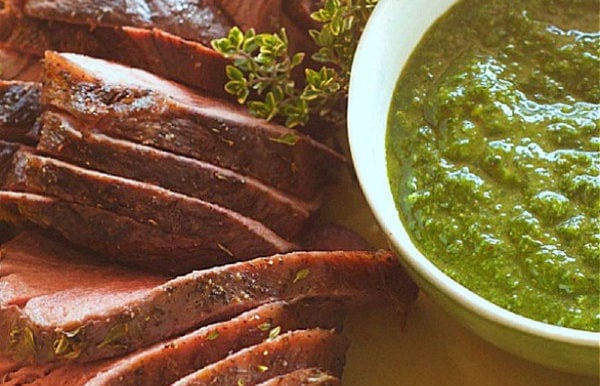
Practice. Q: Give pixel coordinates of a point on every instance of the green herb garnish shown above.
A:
(264, 326)
(301, 275)
(289, 139)
(69, 344)
(116, 336)
(274, 333)
(262, 73)
(213, 335)
(262, 368)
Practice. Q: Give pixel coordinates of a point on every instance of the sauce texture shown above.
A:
(493, 152)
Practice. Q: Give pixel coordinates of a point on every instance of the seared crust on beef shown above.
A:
(199, 20)
(19, 111)
(213, 226)
(154, 50)
(15, 65)
(52, 374)
(300, 11)
(288, 352)
(66, 139)
(135, 105)
(116, 326)
(7, 151)
(332, 237)
(304, 377)
(116, 237)
(270, 16)
(37, 274)
(213, 342)
(168, 361)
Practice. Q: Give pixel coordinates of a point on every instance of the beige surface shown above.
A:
(431, 349)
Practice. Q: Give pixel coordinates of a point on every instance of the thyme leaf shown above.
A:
(301, 275)
(115, 336)
(213, 335)
(264, 326)
(69, 344)
(262, 368)
(274, 333)
(289, 139)
(262, 71)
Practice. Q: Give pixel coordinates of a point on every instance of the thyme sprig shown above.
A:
(262, 73)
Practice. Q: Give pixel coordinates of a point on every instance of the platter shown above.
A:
(427, 348)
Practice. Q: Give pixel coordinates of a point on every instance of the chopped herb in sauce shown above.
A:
(493, 153)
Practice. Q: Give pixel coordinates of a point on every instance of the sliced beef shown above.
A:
(332, 237)
(85, 320)
(34, 269)
(25, 274)
(8, 229)
(19, 66)
(270, 16)
(66, 139)
(154, 50)
(199, 20)
(212, 225)
(52, 374)
(10, 222)
(116, 237)
(135, 105)
(19, 111)
(168, 361)
(262, 15)
(304, 377)
(300, 11)
(7, 152)
(288, 352)
(212, 343)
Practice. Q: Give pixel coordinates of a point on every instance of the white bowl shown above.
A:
(392, 33)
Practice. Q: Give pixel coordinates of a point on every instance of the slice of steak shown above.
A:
(66, 139)
(52, 374)
(8, 229)
(199, 20)
(10, 221)
(116, 237)
(210, 224)
(154, 50)
(15, 65)
(34, 269)
(25, 274)
(214, 342)
(19, 111)
(300, 11)
(331, 237)
(269, 16)
(304, 377)
(135, 105)
(287, 352)
(168, 361)
(81, 323)
(7, 152)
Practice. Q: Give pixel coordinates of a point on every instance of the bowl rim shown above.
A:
(377, 190)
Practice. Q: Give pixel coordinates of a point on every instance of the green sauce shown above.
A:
(494, 154)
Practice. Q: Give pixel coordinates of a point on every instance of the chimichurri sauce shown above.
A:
(493, 152)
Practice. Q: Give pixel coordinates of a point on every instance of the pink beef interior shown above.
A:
(69, 286)
(117, 74)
